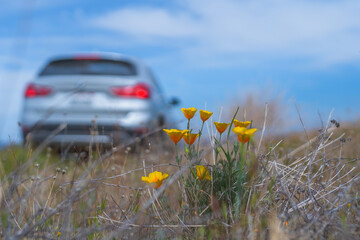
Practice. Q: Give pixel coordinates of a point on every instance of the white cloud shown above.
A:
(327, 32)
(148, 21)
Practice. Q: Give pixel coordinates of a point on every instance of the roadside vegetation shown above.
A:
(226, 180)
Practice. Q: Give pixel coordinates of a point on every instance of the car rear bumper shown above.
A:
(83, 134)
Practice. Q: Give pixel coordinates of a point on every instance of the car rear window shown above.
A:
(89, 67)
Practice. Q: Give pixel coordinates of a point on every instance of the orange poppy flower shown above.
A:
(189, 112)
(205, 115)
(202, 173)
(190, 138)
(155, 179)
(241, 124)
(244, 134)
(221, 127)
(175, 134)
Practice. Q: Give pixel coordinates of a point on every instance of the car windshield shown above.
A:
(89, 67)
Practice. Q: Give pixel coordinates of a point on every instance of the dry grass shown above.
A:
(292, 188)
(252, 107)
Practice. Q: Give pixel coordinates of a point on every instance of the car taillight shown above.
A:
(33, 90)
(140, 90)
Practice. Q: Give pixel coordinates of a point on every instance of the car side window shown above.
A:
(154, 81)
(156, 84)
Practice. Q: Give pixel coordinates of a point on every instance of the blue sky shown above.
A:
(203, 51)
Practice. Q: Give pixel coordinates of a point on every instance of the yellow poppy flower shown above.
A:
(189, 112)
(241, 124)
(190, 137)
(244, 134)
(175, 134)
(202, 173)
(221, 127)
(155, 179)
(205, 115)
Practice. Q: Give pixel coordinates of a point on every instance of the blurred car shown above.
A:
(102, 98)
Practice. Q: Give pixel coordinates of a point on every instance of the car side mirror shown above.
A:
(174, 101)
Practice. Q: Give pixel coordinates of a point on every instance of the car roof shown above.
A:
(99, 55)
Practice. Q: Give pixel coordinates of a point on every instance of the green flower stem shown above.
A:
(217, 150)
(200, 133)
(229, 130)
(178, 162)
(241, 155)
(177, 154)
(213, 177)
(188, 128)
(230, 171)
(229, 179)
(248, 143)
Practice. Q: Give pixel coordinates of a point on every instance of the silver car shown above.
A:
(93, 98)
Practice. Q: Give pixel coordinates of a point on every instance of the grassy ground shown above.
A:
(296, 186)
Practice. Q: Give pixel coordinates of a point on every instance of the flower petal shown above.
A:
(221, 127)
(155, 179)
(145, 179)
(189, 112)
(251, 131)
(175, 134)
(238, 123)
(205, 115)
